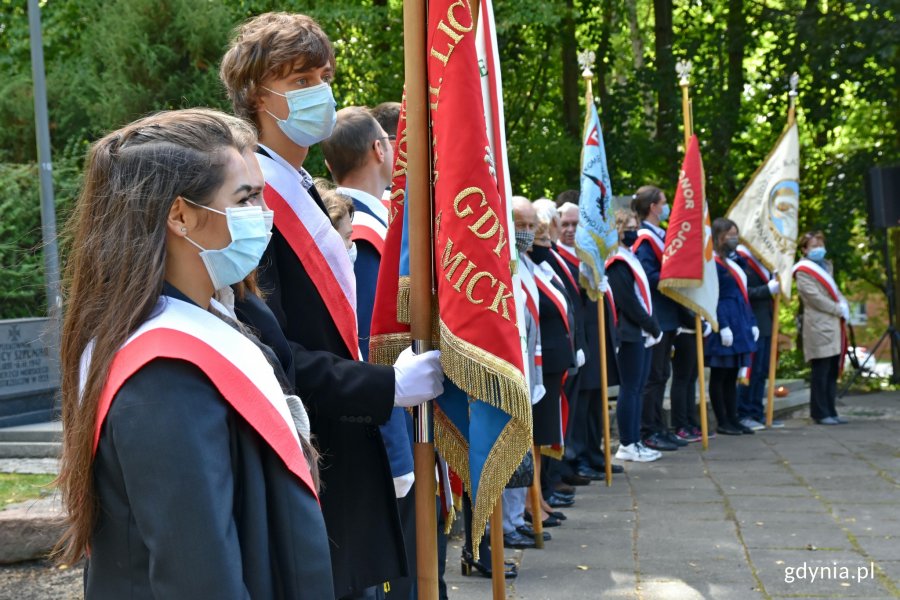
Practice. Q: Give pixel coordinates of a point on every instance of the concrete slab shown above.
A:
(798, 572)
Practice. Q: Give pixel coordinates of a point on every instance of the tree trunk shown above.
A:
(570, 72)
(637, 42)
(723, 133)
(667, 118)
(601, 70)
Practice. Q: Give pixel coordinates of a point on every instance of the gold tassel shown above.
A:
(403, 300)
(386, 347)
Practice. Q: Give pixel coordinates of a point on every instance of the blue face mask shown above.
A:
(816, 254)
(665, 213)
(250, 228)
(312, 114)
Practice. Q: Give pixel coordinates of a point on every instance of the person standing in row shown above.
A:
(277, 72)
(762, 287)
(728, 352)
(825, 314)
(167, 217)
(638, 331)
(652, 208)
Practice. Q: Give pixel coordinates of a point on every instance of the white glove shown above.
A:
(774, 287)
(727, 337)
(537, 393)
(417, 377)
(579, 358)
(755, 331)
(845, 310)
(604, 285)
(650, 341)
(707, 328)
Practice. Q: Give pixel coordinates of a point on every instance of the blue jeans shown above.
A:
(634, 367)
(750, 397)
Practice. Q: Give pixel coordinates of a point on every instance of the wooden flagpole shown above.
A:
(537, 510)
(587, 61)
(684, 71)
(773, 347)
(418, 182)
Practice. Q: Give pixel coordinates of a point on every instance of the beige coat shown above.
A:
(821, 318)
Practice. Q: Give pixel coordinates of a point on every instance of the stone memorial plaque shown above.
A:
(29, 360)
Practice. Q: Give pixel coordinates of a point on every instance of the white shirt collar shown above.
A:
(368, 200)
(655, 229)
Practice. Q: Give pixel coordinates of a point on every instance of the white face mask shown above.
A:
(312, 114)
(249, 227)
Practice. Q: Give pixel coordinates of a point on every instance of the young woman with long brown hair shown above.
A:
(184, 471)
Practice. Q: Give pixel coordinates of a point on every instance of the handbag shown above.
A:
(523, 476)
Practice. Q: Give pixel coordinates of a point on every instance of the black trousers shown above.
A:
(683, 394)
(405, 588)
(823, 387)
(723, 395)
(652, 420)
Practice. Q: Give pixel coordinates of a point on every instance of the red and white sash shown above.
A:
(754, 263)
(565, 267)
(821, 275)
(568, 253)
(641, 284)
(366, 227)
(826, 281)
(315, 242)
(531, 298)
(656, 244)
(369, 229)
(235, 366)
(544, 275)
(737, 273)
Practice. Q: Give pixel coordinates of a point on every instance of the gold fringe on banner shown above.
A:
(403, 300)
(675, 282)
(386, 347)
(484, 376)
(453, 448)
(553, 452)
(506, 454)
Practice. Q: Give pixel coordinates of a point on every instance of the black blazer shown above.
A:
(760, 298)
(633, 319)
(347, 400)
(193, 504)
(576, 295)
(556, 345)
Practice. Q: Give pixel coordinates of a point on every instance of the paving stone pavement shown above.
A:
(807, 511)
(803, 512)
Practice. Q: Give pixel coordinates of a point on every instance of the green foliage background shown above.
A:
(111, 61)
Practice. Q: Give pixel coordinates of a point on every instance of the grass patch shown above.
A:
(18, 487)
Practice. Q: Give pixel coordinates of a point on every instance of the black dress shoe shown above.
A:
(557, 501)
(518, 540)
(553, 520)
(564, 495)
(615, 469)
(528, 532)
(658, 442)
(565, 488)
(575, 479)
(728, 430)
(744, 430)
(591, 474)
(469, 565)
(675, 439)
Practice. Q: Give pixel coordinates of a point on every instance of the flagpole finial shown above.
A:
(586, 60)
(794, 81)
(683, 68)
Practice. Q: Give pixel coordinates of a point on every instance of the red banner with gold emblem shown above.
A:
(484, 431)
(688, 272)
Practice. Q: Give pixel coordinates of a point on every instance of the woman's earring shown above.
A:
(184, 230)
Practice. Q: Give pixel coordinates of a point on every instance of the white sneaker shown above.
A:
(648, 454)
(776, 424)
(636, 452)
(752, 424)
